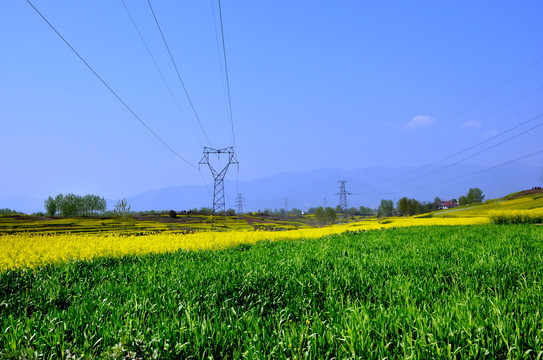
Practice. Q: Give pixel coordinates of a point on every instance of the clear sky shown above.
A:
(339, 84)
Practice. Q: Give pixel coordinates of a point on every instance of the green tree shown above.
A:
(330, 215)
(206, 210)
(88, 204)
(94, 203)
(386, 208)
(413, 207)
(230, 212)
(426, 207)
(352, 211)
(69, 204)
(409, 207)
(102, 205)
(363, 210)
(58, 201)
(462, 200)
(8, 211)
(320, 215)
(403, 206)
(436, 204)
(50, 206)
(475, 196)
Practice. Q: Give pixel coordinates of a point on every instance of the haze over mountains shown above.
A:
(320, 187)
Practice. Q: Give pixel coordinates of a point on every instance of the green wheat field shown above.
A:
(443, 292)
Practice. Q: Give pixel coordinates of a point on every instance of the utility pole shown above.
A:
(343, 204)
(218, 176)
(240, 201)
(286, 208)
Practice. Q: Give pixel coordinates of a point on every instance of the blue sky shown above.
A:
(345, 85)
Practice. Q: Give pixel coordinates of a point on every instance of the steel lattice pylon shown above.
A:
(240, 201)
(343, 204)
(219, 203)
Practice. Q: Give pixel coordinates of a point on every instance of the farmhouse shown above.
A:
(448, 204)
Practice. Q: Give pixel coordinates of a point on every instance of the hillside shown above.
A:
(521, 200)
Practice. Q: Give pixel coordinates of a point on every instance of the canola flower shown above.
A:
(34, 250)
(516, 216)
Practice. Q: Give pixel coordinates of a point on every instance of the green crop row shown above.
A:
(437, 292)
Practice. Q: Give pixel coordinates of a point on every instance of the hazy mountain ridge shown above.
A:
(319, 187)
(308, 189)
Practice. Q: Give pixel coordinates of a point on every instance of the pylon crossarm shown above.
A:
(218, 176)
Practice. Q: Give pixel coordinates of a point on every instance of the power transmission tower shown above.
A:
(343, 204)
(218, 176)
(240, 201)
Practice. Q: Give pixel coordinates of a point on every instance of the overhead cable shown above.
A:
(160, 72)
(219, 56)
(473, 155)
(109, 88)
(462, 176)
(178, 74)
(466, 149)
(478, 100)
(227, 79)
(461, 130)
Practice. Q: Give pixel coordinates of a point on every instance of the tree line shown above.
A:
(408, 207)
(75, 205)
(91, 205)
(8, 211)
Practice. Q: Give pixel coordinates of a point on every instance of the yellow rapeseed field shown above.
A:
(30, 251)
(516, 216)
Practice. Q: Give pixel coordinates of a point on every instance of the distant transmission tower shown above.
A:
(240, 201)
(343, 204)
(218, 187)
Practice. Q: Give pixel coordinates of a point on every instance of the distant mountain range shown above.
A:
(320, 187)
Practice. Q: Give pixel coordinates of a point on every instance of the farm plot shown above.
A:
(418, 292)
(29, 250)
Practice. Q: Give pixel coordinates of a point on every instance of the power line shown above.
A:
(108, 87)
(466, 149)
(219, 56)
(463, 176)
(473, 155)
(159, 71)
(478, 100)
(460, 131)
(177, 71)
(227, 79)
(205, 182)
